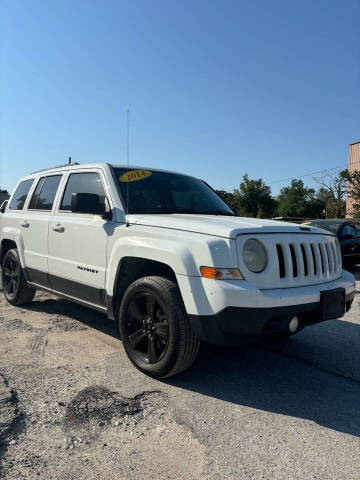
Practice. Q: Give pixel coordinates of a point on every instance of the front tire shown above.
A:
(14, 284)
(155, 328)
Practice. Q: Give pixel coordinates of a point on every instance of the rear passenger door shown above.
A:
(78, 241)
(34, 227)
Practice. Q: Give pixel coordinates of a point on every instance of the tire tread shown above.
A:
(25, 293)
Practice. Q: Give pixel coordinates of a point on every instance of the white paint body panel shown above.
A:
(82, 243)
(217, 225)
(211, 297)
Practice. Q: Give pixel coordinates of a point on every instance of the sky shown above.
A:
(215, 88)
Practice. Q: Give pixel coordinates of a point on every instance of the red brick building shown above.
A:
(354, 164)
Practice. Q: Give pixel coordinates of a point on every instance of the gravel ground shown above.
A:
(73, 407)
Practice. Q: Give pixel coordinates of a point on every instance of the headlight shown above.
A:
(254, 255)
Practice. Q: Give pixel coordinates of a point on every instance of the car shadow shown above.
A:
(271, 382)
(310, 376)
(59, 307)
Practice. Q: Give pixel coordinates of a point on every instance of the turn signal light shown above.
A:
(221, 273)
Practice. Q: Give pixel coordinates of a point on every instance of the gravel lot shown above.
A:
(73, 407)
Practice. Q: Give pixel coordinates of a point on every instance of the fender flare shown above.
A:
(10, 233)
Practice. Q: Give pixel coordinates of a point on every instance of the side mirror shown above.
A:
(3, 206)
(90, 203)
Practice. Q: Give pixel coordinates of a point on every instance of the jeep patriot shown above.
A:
(161, 254)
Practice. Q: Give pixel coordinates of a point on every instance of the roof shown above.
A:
(56, 167)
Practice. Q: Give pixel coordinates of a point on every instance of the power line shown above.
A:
(314, 173)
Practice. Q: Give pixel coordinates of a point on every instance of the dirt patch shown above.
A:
(12, 419)
(98, 404)
(15, 324)
(64, 324)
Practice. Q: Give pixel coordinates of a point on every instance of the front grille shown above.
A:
(308, 260)
(294, 259)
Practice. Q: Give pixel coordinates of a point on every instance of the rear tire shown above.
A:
(14, 284)
(155, 328)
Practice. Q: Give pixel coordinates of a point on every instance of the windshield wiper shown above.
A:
(209, 212)
(163, 209)
(219, 212)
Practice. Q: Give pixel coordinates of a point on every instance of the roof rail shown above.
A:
(57, 166)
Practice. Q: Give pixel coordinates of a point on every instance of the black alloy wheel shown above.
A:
(147, 328)
(155, 328)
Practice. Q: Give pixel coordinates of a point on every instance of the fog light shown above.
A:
(293, 324)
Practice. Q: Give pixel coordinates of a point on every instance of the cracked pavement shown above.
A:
(73, 407)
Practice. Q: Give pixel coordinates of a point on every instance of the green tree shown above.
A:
(299, 201)
(228, 198)
(254, 199)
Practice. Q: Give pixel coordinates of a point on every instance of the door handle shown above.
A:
(57, 228)
(25, 224)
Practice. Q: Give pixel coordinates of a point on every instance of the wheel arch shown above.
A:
(6, 245)
(131, 268)
(11, 238)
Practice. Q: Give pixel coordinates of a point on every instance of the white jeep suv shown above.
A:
(163, 255)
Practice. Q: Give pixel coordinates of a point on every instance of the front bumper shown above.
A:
(241, 312)
(236, 324)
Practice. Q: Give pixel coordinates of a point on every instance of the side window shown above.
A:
(19, 197)
(82, 183)
(44, 194)
(349, 230)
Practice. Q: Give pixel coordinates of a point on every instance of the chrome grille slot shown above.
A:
(314, 258)
(321, 259)
(336, 263)
(281, 260)
(331, 260)
(294, 260)
(306, 270)
(325, 259)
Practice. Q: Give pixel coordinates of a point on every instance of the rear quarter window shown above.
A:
(20, 195)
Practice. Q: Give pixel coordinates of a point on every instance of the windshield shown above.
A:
(332, 227)
(150, 191)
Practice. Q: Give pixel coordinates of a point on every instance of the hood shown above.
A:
(219, 225)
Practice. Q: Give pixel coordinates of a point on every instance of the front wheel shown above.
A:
(14, 284)
(155, 328)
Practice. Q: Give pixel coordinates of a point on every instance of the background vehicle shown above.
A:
(164, 256)
(348, 234)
